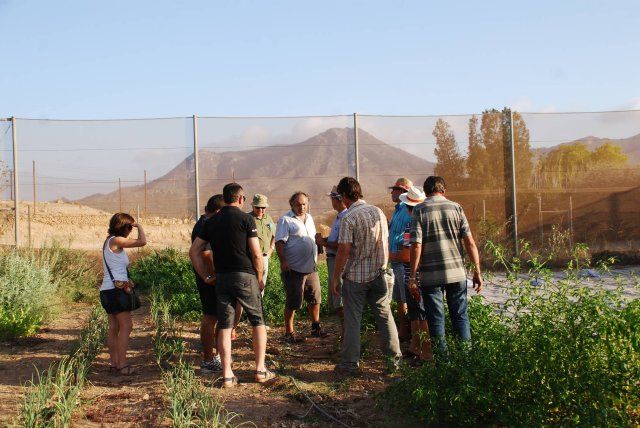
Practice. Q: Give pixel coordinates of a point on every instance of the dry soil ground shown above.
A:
(141, 399)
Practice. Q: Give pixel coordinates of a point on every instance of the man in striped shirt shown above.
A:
(439, 229)
(363, 255)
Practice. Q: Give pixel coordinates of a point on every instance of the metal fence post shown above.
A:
(195, 163)
(512, 173)
(16, 198)
(356, 147)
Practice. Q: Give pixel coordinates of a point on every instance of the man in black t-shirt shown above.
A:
(211, 360)
(237, 259)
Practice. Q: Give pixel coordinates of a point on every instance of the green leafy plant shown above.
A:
(26, 290)
(555, 353)
(52, 396)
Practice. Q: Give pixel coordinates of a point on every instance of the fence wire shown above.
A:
(576, 174)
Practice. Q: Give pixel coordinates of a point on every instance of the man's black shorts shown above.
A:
(208, 298)
(238, 287)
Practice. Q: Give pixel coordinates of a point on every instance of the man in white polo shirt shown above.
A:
(298, 254)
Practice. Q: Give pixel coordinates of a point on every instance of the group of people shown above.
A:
(424, 243)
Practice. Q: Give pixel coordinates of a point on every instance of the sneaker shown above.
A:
(346, 369)
(291, 338)
(215, 365)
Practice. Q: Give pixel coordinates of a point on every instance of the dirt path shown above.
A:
(140, 400)
(351, 400)
(125, 401)
(20, 358)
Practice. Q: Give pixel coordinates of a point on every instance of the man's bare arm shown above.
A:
(256, 259)
(341, 261)
(474, 255)
(195, 254)
(284, 266)
(414, 258)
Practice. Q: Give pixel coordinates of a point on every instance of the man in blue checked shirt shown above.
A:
(399, 221)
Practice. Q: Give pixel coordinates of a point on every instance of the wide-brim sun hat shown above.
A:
(260, 201)
(413, 197)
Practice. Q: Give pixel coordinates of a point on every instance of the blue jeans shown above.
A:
(456, 294)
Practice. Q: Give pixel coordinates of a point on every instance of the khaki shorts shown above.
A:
(298, 285)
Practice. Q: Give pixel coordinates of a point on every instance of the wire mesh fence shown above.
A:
(575, 176)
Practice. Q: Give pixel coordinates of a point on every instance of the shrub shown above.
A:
(74, 271)
(171, 270)
(26, 291)
(556, 354)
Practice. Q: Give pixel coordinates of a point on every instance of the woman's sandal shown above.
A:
(264, 376)
(229, 382)
(126, 370)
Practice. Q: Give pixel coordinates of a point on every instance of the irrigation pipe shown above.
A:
(314, 405)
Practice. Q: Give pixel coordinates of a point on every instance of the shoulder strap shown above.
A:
(105, 259)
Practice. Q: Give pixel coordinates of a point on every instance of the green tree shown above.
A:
(608, 155)
(450, 163)
(486, 159)
(477, 154)
(566, 165)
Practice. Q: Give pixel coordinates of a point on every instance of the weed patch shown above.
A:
(558, 353)
(53, 395)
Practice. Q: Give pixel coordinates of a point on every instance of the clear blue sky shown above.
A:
(117, 59)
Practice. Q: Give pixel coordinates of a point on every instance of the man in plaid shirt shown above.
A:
(439, 229)
(363, 255)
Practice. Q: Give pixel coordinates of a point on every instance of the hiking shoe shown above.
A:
(346, 369)
(291, 338)
(215, 365)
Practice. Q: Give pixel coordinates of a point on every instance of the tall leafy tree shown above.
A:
(450, 162)
(476, 156)
(487, 144)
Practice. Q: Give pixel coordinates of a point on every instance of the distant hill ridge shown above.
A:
(313, 166)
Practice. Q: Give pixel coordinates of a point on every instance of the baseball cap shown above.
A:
(402, 183)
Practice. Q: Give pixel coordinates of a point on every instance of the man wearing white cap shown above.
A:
(398, 223)
(331, 245)
(415, 307)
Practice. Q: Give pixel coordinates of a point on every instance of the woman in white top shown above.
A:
(120, 325)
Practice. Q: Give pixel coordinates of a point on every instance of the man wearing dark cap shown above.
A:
(398, 224)
(211, 359)
(331, 245)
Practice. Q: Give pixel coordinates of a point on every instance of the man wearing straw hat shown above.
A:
(398, 223)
